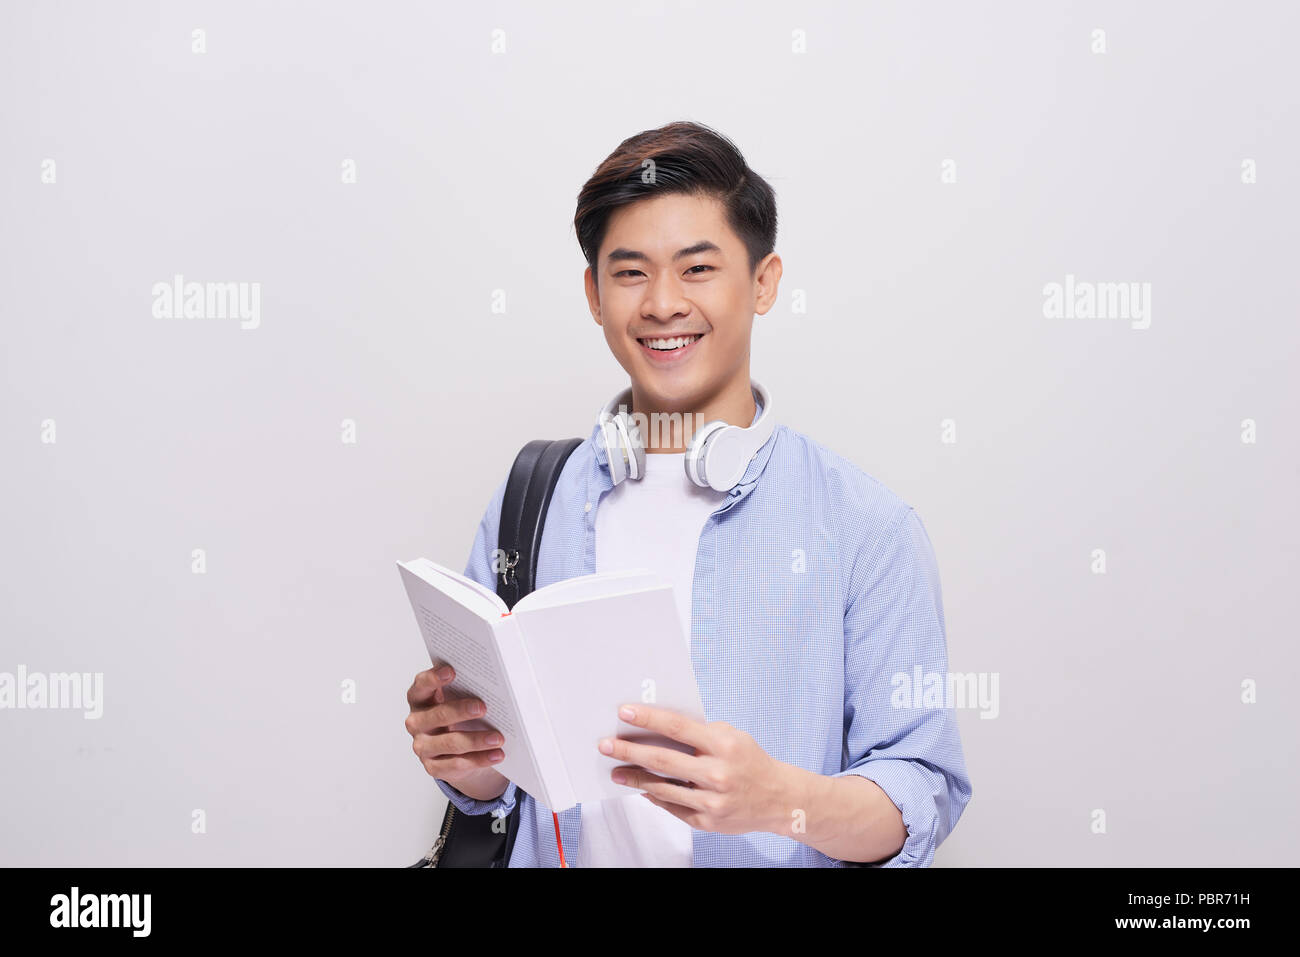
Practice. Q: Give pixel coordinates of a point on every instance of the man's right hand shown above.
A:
(449, 752)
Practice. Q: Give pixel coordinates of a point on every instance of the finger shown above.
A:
(669, 791)
(458, 764)
(663, 761)
(682, 813)
(452, 712)
(669, 723)
(441, 717)
(456, 742)
(427, 684)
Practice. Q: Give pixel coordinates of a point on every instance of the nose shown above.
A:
(665, 298)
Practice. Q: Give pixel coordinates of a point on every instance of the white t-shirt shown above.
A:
(652, 523)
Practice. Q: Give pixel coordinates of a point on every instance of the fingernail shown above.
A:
(493, 739)
(619, 777)
(626, 713)
(476, 708)
(496, 756)
(606, 746)
(444, 674)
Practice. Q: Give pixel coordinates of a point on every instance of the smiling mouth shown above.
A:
(665, 346)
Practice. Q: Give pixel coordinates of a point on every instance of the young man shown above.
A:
(804, 585)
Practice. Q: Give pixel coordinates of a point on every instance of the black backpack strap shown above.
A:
(469, 840)
(532, 480)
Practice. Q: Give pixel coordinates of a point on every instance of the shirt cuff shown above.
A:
(911, 788)
(498, 807)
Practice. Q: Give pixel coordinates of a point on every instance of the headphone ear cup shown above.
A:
(632, 460)
(636, 449)
(721, 462)
(702, 459)
(614, 451)
(696, 452)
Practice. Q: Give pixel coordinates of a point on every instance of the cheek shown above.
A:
(727, 335)
(725, 307)
(614, 332)
(618, 343)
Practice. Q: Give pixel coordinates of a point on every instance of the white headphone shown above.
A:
(716, 458)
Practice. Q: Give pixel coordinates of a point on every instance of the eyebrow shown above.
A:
(620, 254)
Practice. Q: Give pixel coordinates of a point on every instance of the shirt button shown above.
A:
(588, 508)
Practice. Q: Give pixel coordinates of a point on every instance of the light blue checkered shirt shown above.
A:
(814, 586)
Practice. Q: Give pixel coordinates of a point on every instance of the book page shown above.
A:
(591, 656)
(584, 587)
(463, 638)
(465, 590)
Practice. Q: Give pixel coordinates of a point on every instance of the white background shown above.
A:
(1119, 692)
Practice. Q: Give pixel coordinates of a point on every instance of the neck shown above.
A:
(672, 425)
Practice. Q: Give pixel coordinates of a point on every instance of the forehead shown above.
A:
(662, 225)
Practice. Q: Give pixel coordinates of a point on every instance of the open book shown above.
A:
(554, 671)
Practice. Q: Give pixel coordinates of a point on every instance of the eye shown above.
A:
(625, 272)
(700, 266)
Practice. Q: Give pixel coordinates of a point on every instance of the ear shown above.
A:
(593, 295)
(767, 279)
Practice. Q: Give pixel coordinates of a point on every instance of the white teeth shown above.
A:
(667, 345)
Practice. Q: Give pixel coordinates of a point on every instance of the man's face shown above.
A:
(669, 267)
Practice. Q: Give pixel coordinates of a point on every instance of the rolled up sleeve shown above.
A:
(902, 736)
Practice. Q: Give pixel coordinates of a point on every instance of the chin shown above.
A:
(682, 390)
